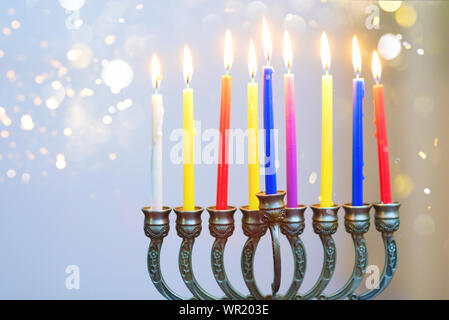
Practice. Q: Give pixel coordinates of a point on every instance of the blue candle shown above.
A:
(357, 143)
(268, 121)
(270, 154)
(357, 129)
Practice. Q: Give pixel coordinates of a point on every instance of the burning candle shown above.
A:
(253, 148)
(157, 117)
(357, 127)
(326, 135)
(270, 154)
(188, 134)
(290, 125)
(381, 131)
(225, 114)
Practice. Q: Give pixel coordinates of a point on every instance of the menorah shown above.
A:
(275, 217)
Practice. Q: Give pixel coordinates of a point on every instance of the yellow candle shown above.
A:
(253, 148)
(326, 143)
(187, 95)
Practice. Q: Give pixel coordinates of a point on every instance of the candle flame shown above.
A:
(376, 66)
(356, 59)
(266, 40)
(288, 53)
(252, 60)
(325, 52)
(155, 72)
(228, 53)
(188, 67)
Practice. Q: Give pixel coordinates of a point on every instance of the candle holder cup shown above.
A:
(274, 216)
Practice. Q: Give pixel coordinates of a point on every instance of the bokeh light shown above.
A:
(389, 46)
(406, 16)
(403, 185)
(27, 123)
(72, 5)
(117, 74)
(79, 56)
(390, 5)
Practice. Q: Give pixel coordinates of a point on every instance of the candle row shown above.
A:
(268, 121)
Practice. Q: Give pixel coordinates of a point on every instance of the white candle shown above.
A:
(156, 158)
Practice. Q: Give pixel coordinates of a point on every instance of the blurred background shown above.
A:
(75, 136)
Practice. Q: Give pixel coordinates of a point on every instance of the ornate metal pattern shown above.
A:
(156, 228)
(290, 222)
(272, 209)
(156, 232)
(247, 263)
(299, 255)
(324, 228)
(386, 219)
(221, 231)
(188, 232)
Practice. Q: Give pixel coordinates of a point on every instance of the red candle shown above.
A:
(381, 132)
(225, 115)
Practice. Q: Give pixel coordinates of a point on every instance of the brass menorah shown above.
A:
(274, 216)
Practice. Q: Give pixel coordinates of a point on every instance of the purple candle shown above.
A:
(290, 124)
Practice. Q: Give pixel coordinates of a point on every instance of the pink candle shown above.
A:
(290, 124)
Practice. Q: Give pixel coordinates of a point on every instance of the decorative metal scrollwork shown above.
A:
(290, 222)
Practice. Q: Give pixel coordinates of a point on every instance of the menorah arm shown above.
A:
(156, 227)
(358, 272)
(217, 260)
(388, 271)
(247, 263)
(299, 256)
(327, 270)
(292, 227)
(188, 227)
(325, 224)
(272, 210)
(274, 232)
(254, 228)
(185, 268)
(221, 227)
(387, 222)
(357, 224)
(154, 269)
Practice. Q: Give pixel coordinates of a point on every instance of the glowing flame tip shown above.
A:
(188, 67)
(155, 72)
(266, 40)
(252, 60)
(228, 54)
(288, 52)
(377, 67)
(325, 52)
(356, 59)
